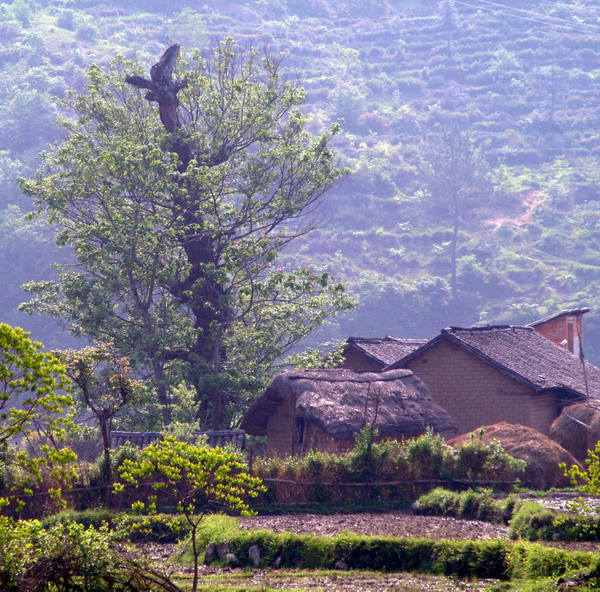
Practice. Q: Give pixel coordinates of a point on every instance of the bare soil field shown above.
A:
(393, 523)
(397, 523)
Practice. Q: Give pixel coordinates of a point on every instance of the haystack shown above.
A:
(541, 454)
(577, 428)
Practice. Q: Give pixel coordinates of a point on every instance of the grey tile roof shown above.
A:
(386, 349)
(214, 438)
(527, 356)
(569, 312)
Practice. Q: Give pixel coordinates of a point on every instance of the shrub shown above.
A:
(469, 505)
(163, 528)
(66, 19)
(196, 478)
(69, 556)
(532, 522)
(320, 476)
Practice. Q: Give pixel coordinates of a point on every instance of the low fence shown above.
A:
(279, 491)
(290, 491)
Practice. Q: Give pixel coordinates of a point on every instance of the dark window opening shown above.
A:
(570, 337)
(299, 430)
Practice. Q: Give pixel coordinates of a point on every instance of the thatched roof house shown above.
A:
(325, 409)
(372, 354)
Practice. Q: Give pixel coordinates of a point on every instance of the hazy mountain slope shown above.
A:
(523, 82)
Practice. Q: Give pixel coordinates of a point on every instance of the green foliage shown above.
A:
(69, 556)
(177, 242)
(528, 520)
(215, 527)
(185, 422)
(29, 381)
(586, 480)
(161, 528)
(427, 457)
(476, 457)
(104, 385)
(465, 559)
(470, 505)
(35, 408)
(586, 514)
(196, 478)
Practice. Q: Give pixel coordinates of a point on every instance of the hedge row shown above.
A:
(497, 559)
(528, 520)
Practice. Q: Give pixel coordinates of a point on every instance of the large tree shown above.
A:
(176, 202)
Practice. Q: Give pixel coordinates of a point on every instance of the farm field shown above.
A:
(398, 523)
(265, 581)
(401, 523)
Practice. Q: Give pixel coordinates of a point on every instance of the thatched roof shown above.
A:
(541, 454)
(577, 428)
(342, 402)
(523, 354)
(384, 350)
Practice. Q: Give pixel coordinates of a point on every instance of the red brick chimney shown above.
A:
(564, 328)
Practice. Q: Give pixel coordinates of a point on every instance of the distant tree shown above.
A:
(104, 385)
(177, 215)
(457, 178)
(449, 18)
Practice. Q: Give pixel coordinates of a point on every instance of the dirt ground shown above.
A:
(397, 523)
(392, 523)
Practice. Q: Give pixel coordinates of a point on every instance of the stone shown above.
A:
(222, 550)
(340, 564)
(254, 554)
(210, 554)
(278, 561)
(232, 560)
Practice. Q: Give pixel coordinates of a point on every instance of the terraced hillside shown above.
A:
(523, 84)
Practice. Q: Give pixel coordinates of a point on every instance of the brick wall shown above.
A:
(358, 361)
(280, 430)
(476, 393)
(557, 331)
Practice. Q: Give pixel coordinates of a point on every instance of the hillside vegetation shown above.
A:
(520, 82)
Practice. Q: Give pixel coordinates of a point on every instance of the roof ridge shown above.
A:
(487, 328)
(568, 311)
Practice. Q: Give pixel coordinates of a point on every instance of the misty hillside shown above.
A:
(518, 80)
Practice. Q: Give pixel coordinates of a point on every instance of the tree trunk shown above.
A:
(454, 249)
(206, 302)
(162, 392)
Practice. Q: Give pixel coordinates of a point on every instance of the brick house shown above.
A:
(565, 328)
(364, 354)
(484, 375)
(324, 409)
